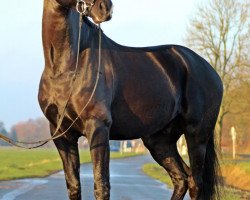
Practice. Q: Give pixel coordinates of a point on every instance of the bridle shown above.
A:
(82, 7)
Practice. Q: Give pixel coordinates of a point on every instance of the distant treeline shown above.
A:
(31, 130)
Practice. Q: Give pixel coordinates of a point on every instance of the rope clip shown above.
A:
(81, 7)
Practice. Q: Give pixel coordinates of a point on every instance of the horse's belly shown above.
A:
(142, 121)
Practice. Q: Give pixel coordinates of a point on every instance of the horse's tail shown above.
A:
(211, 173)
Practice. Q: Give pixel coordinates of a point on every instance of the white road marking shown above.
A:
(90, 175)
(114, 176)
(26, 186)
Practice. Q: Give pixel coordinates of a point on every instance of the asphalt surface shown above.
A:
(128, 182)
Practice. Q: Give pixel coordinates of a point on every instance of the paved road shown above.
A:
(128, 182)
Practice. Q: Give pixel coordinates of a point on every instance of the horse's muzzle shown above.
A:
(108, 13)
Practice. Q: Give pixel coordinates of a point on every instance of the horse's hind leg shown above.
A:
(203, 162)
(165, 153)
(197, 156)
(68, 151)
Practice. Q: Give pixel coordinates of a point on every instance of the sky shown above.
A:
(134, 23)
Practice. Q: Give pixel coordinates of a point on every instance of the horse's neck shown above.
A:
(60, 35)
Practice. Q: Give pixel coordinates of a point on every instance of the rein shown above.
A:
(82, 7)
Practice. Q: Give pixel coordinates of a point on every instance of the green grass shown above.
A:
(18, 163)
(244, 166)
(157, 172)
(231, 194)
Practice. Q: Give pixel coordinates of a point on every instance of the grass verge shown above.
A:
(16, 163)
(237, 174)
(157, 172)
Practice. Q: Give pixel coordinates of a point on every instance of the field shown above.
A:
(236, 175)
(18, 163)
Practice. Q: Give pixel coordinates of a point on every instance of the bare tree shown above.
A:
(220, 32)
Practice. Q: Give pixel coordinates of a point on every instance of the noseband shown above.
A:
(84, 7)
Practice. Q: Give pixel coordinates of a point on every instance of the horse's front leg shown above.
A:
(68, 151)
(98, 137)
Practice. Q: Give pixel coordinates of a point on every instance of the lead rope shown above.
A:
(54, 136)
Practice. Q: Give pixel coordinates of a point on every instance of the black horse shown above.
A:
(152, 93)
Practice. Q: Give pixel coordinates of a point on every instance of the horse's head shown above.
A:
(99, 10)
